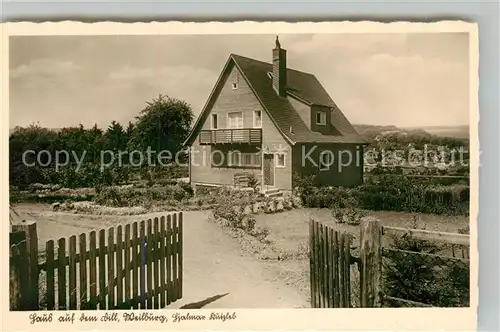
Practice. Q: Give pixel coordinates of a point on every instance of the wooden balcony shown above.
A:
(252, 136)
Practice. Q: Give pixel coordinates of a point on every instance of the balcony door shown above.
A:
(235, 122)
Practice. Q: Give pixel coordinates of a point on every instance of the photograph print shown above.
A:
(235, 171)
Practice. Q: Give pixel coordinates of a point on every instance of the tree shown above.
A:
(163, 124)
(115, 137)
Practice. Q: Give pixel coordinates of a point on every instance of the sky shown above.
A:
(418, 79)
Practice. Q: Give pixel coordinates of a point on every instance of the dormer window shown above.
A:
(321, 118)
(270, 75)
(235, 85)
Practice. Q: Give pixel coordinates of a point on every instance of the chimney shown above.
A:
(279, 69)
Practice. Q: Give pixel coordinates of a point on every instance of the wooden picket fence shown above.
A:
(331, 257)
(330, 261)
(138, 266)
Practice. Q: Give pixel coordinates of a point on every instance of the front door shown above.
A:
(269, 169)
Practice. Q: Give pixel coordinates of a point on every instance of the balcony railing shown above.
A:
(231, 136)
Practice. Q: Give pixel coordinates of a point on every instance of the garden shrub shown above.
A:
(421, 278)
(392, 193)
(133, 196)
(230, 212)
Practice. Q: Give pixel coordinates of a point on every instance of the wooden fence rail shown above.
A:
(329, 267)
(138, 265)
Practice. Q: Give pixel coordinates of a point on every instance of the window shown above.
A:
(257, 119)
(235, 120)
(325, 160)
(234, 158)
(321, 118)
(236, 81)
(215, 124)
(280, 160)
(238, 159)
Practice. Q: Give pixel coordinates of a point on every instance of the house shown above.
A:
(275, 122)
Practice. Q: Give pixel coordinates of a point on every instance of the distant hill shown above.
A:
(460, 132)
(448, 131)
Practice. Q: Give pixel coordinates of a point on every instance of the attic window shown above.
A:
(321, 118)
(270, 75)
(236, 81)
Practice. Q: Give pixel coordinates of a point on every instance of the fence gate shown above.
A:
(138, 266)
(330, 261)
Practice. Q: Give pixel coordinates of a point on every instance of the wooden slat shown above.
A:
(180, 253)
(102, 269)
(175, 279)
(82, 297)
(336, 294)
(119, 266)
(322, 265)
(142, 265)
(49, 251)
(156, 259)
(61, 274)
(93, 271)
(168, 252)
(111, 268)
(317, 258)
(347, 269)
(128, 266)
(149, 264)
(162, 262)
(341, 271)
(327, 266)
(422, 234)
(331, 272)
(72, 273)
(312, 279)
(135, 264)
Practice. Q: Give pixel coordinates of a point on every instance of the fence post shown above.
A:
(371, 264)
(18, 271)
(31, 289)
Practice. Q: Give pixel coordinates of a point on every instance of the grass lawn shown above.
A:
(290, 229)
(289, 233)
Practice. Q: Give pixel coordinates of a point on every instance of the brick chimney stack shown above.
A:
(279, 69)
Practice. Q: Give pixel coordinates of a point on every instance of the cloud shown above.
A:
(44, 68)
(399, 79)
(408, 90)
(190, 83)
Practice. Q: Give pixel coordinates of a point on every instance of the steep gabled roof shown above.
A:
(304, 87)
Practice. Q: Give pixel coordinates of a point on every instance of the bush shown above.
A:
(154, 195)
(391, 193)
(422, 278)
(229, 210)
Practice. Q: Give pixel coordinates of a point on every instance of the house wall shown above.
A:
(273, 140)
(341, 173)
(241, 99)
(231, 100)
